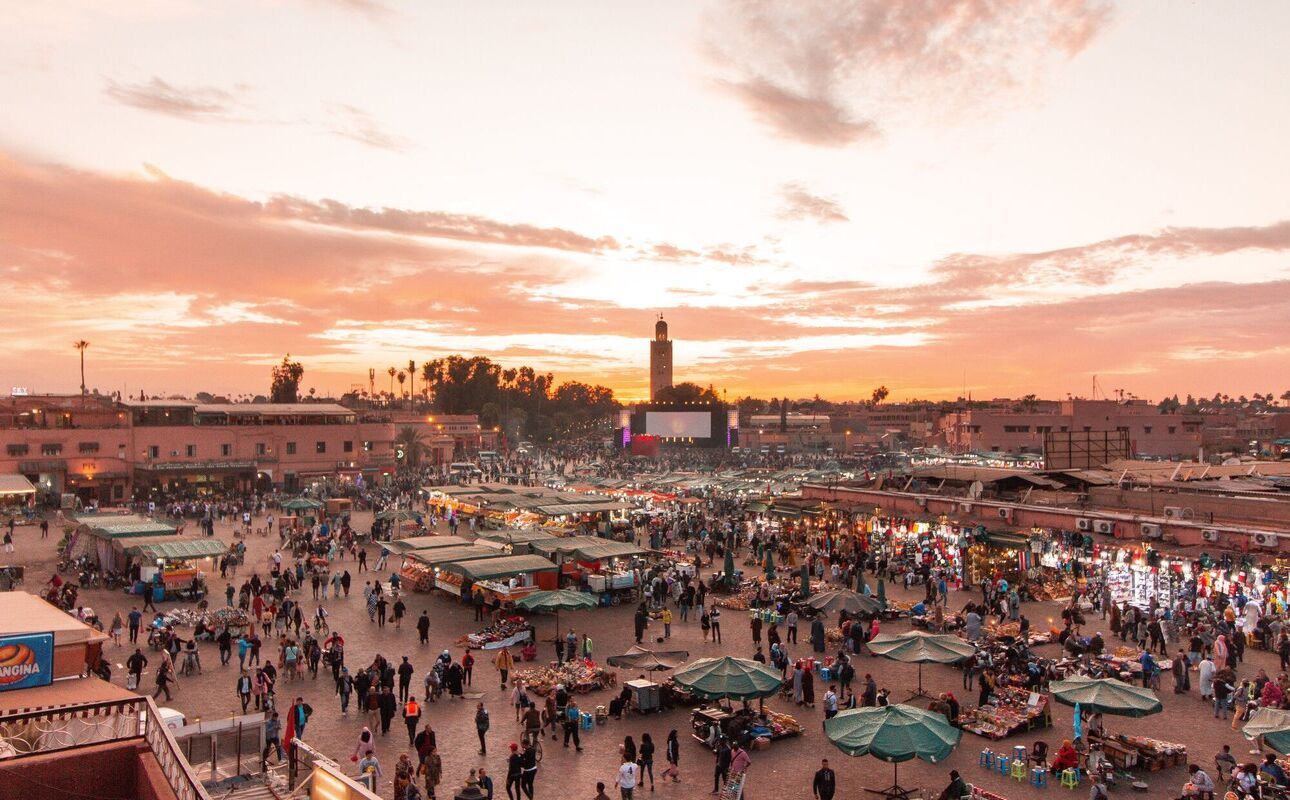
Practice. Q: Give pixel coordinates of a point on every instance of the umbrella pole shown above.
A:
(895, 791)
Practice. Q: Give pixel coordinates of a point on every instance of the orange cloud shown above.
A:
(208, 103)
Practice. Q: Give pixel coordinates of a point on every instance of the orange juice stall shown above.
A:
(504, 578)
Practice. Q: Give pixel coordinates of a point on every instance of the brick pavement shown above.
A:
(783, 771)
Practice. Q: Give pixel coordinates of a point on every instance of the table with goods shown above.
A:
(506, 632)
(1013, 710)
(578, 675)
(502, 592)
(1125, 751)
(709, 724)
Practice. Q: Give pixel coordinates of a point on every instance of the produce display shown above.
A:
(509, 631)
(1056, 589)
(448, 581)
(579, 676)
(783, 724)
(215, 618)
(416, 577)
(1013, 630)
(1011, 712)
(1152, 754)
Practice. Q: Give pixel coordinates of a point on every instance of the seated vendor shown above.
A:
(1066, 758)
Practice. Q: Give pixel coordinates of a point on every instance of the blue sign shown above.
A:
(26, 660)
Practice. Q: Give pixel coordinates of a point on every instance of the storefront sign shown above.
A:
(26, 660)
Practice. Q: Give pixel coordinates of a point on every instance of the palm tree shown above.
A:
(393, 371)
(412, 386)
(403, 376)
(411, 440)
(1285, 397)
(81, 344)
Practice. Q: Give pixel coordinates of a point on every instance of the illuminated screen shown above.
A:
(683, 424)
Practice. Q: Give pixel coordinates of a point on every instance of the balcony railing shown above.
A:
(69, 727)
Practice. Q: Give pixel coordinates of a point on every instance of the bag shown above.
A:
(132, 682)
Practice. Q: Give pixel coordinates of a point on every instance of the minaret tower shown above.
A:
(660, 360)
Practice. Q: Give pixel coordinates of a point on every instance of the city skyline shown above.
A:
(1055, 190)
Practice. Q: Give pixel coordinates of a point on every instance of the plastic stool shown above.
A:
(1070, 778)
(986, 759)
(1039, 778)
(1019, 771)
(1005, 765)
(1019, 753)
(826, 673)
(588, 721)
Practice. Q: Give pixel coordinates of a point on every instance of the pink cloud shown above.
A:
(800, 204)
(207, 103)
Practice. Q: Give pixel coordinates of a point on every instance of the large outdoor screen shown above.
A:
(682, 424)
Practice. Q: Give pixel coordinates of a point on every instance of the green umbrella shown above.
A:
(1107, 695)
(836, 600)
(882, 592)
(770, 564)
(728, 678)
(916, 647)
(806, 582)
(1273, 726)
(638, 657)
(730, 567)
(398, 515)
(557, 600)
(301, 504)
(893, 733)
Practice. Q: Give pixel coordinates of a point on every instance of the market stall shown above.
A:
(1013, 710)
(422, 570)
(508, 631)
(102, 538)
(504, 578)
(579, 675)
(177, 565)
(514, 542)
(1138, 575)
(401, 547)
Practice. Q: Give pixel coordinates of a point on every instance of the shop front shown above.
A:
(1139, 576)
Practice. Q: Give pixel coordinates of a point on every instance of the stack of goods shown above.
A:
(1011, 712)
(1056, 588)
(1153, 754)
(235, 618)
(767, 616)
(981, 794)
(509, 631)
(416, 577)
(833, 635)
(1012, 630)
(579, 676)
(782, 724)
(742, 598)
(448, 581)
(733, 788)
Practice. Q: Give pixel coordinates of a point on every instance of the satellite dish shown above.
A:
(975, 490)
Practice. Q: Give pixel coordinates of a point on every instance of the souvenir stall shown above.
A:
(421, 570)
(1013, 710)
(998, 554)
(579, 675)
(514, 542)
(932, 542)
(509, 631)
(1137, 575)
(605, 566)
(502, 578)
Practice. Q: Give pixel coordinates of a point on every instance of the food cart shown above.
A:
(504, 578)
(339, 507)
(175, 565)
(603, 565)
(422, 570)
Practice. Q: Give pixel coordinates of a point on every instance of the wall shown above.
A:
(127, 767)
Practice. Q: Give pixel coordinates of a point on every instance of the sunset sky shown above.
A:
(820, 197)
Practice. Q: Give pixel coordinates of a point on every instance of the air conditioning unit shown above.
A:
(1084, 524)
(174, 452)
(1151, 531)
(921, 502)
(965, 508)
(1265, 539)
(1005, 513)
(1104, 526)
(1173, 512)
(1209, 535)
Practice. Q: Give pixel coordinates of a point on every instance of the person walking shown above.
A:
(672, 754)
(825, 782)
(467, 666)
(272, 740)
(164, 679)
(714, 619)
(481, 727)
(628, 777)
(411, 717)
(344, 688)
(135, 619)
(645, 757)
(504, 662)
(571, 722)
(406, 672)
(423, 628)
(514, 773)
(721, 768)
(244, 689)
(134, 668)
(528, 762)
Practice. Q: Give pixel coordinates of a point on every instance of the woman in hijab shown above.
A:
(364, 744)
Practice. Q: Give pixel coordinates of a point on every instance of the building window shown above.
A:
(348, 447)
(1016, 429)
(16, 449)
(1088, 428)
(1063, 429)
(51, 449)
(88, 447)
(291, 448)
(260, 448)
(226, 450)
(994, 449)
(1044, 428)
(1122, 428)
(367, 447)
(1173, 428)
(320, 447)
(190, 450)
(154, 451)
(1146, 429)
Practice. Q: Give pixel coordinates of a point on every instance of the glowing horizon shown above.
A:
(820, 197)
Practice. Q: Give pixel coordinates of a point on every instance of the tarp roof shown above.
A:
(423, 543)
(441, 555)
(21, 612)
(124, 526)
(527, 535)
(15, 485)
(178, 549)
(587, 548)
(582, 508)
(502, 567)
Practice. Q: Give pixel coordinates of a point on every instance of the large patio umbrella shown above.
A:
(806, 582)
(557, 600)
(893, 733)
(1272, 725)
(638, 657)
(301, 504)
(728, 678)
(399, 515)
(729, 567)
(770, 564)
(1107, 695)
(916, 647)
(882, 592)
(844, 600)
